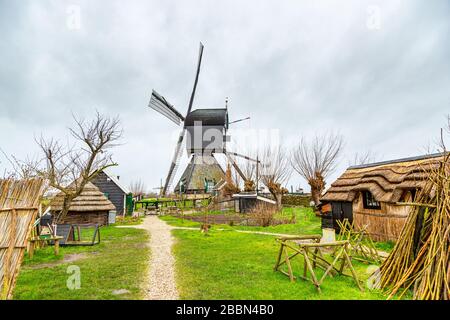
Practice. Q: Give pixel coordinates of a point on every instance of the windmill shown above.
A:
(205, 132)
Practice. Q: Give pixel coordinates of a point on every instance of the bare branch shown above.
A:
(315, 160)
(69, 168)
(363, 158)
(138, 188)
(275, 170)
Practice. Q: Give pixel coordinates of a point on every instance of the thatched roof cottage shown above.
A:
(90, 207)
(372, 195)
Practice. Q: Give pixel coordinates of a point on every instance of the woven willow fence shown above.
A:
(19, 201)
(421, 258)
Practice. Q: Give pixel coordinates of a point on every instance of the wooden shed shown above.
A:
(91, 206)
(114, 190)
(372, 195)
(245, 202)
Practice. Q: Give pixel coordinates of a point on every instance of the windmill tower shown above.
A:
(204, 131)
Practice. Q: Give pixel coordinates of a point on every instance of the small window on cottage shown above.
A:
(369, 201)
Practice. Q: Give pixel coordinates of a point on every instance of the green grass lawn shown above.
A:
(306, 222)
(231, 265)
(119, 262)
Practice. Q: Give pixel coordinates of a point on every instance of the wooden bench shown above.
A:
(34, 240)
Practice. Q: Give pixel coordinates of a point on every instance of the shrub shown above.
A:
(263, 215)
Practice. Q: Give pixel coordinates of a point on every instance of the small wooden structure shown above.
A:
(54, 240)
(377, 195)
(310, 248)
(115, 191)
(245, 202)
(90, 207)
(19, 202)
(79, 234)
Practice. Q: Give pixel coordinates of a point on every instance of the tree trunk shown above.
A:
(315, 195)
(317, 185)
(65, 208)
(278, 198)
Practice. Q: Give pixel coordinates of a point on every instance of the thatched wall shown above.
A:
(19, 201)
(383, 225)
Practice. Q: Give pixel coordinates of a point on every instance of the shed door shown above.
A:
(341, 211)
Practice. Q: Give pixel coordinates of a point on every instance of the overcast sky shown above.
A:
(376, 71)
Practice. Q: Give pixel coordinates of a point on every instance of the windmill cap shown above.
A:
(208, 117)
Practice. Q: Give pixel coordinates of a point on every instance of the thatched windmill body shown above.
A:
(205, 134)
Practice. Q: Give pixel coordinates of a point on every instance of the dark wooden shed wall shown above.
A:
(114, 193)
(97, 217)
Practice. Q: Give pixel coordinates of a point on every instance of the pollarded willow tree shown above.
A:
(68, 168)
(275, 170)
(138, 188)
(316, 159)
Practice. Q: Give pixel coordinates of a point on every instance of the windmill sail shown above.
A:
(160, 104)
(199, 63)
(175, 162)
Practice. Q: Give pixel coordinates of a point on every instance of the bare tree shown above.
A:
(275, 170)
(232, 182)
(19, 169)
(315, 160)
(68, 168)
(361, 158)
(248, 168)
(138, 188)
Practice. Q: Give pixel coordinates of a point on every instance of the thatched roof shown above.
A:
(385, 180)
(91, 199)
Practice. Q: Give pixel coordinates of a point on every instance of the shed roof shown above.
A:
(208, 117)
(253, 195)
(117, 182)
(385, 180)
(90, 200)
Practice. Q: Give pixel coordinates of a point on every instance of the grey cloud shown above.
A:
(303, 67)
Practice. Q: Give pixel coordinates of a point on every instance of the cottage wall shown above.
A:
(97, 217)
(384, 224)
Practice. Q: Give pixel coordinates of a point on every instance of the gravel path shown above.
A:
(161, 277)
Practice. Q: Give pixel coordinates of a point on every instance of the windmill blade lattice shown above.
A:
(175, 162)
(160, 104)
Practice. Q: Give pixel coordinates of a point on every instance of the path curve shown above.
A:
(161, 277)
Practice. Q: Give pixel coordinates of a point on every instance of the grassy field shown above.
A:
(229, 265)
(112, 265)
(306, 222)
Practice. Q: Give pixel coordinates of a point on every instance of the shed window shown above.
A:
(369, 201)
